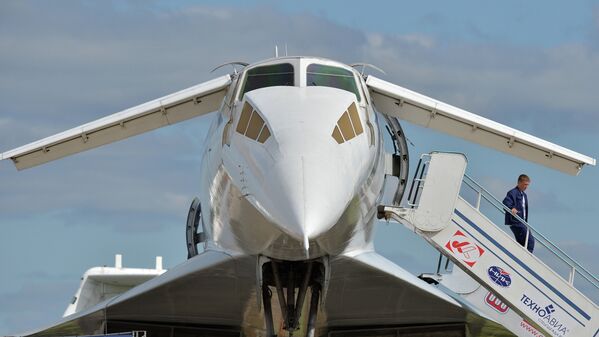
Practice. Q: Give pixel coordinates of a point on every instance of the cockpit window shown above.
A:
(268, 76)
(329, 76)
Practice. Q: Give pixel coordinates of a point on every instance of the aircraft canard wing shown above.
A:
(191, 102)
(419, 109)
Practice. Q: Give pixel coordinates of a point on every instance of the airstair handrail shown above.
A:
(553, 248)
(418, 179)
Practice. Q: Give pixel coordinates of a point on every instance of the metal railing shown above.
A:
(574, 267)
(418, 180)
(134, 333)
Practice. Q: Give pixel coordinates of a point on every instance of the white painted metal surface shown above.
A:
(428, 112)
(301, 179)
(99, 284)
(488, 303)
(437, 202)
(496, 261)
(396, 297)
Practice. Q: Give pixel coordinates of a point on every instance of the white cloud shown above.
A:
(375, 40)
(520, 86)
(585, 254)
(215, 12)
(419, 40)
(176, 201)
(4, 122)
(32, 302)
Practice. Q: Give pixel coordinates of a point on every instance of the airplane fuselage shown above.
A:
(302, 178)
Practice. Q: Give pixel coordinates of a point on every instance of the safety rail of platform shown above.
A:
(574, 267)
(419, 181)
(419, 178)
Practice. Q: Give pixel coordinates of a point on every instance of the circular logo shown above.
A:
(499, 276)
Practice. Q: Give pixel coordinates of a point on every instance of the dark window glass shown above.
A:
(268, 76)
(328, 76)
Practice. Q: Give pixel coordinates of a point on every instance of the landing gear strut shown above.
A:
(295, 277)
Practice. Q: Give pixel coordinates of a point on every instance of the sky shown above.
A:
(531, 65)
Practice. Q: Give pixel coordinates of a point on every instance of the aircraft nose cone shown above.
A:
(302, 179)
(307, 197)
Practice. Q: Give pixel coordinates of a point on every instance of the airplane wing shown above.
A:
(416, 108)
(214, 294)
(208, 292)
(191, 102)
(367, 291)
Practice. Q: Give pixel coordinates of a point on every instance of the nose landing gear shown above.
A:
(296, 277)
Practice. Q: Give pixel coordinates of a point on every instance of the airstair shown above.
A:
(523, 291)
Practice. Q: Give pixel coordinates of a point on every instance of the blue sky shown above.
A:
(531, 65)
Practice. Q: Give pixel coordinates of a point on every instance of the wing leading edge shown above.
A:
(216, 292)
(419, 109)
(368, 291)
(182, 105)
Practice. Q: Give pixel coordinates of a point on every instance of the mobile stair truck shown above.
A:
(496, 274)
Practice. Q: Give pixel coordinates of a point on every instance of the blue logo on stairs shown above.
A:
(499, 276)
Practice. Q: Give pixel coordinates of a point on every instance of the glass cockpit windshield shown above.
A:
(329, 76)
(268, 76)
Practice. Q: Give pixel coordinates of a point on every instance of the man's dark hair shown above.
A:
(523, 177)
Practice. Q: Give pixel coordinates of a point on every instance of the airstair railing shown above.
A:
(574, 266)
(418, 180)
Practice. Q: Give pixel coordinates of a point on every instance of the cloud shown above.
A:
(419, 40)
(516, 85)
(96, 186)
(545, 200)
(222, 14)
(584, 253)
(34, 302)
(118, 58)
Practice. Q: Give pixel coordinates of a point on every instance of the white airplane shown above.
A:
(292, 173)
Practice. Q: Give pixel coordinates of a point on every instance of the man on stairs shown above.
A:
(517, 201)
